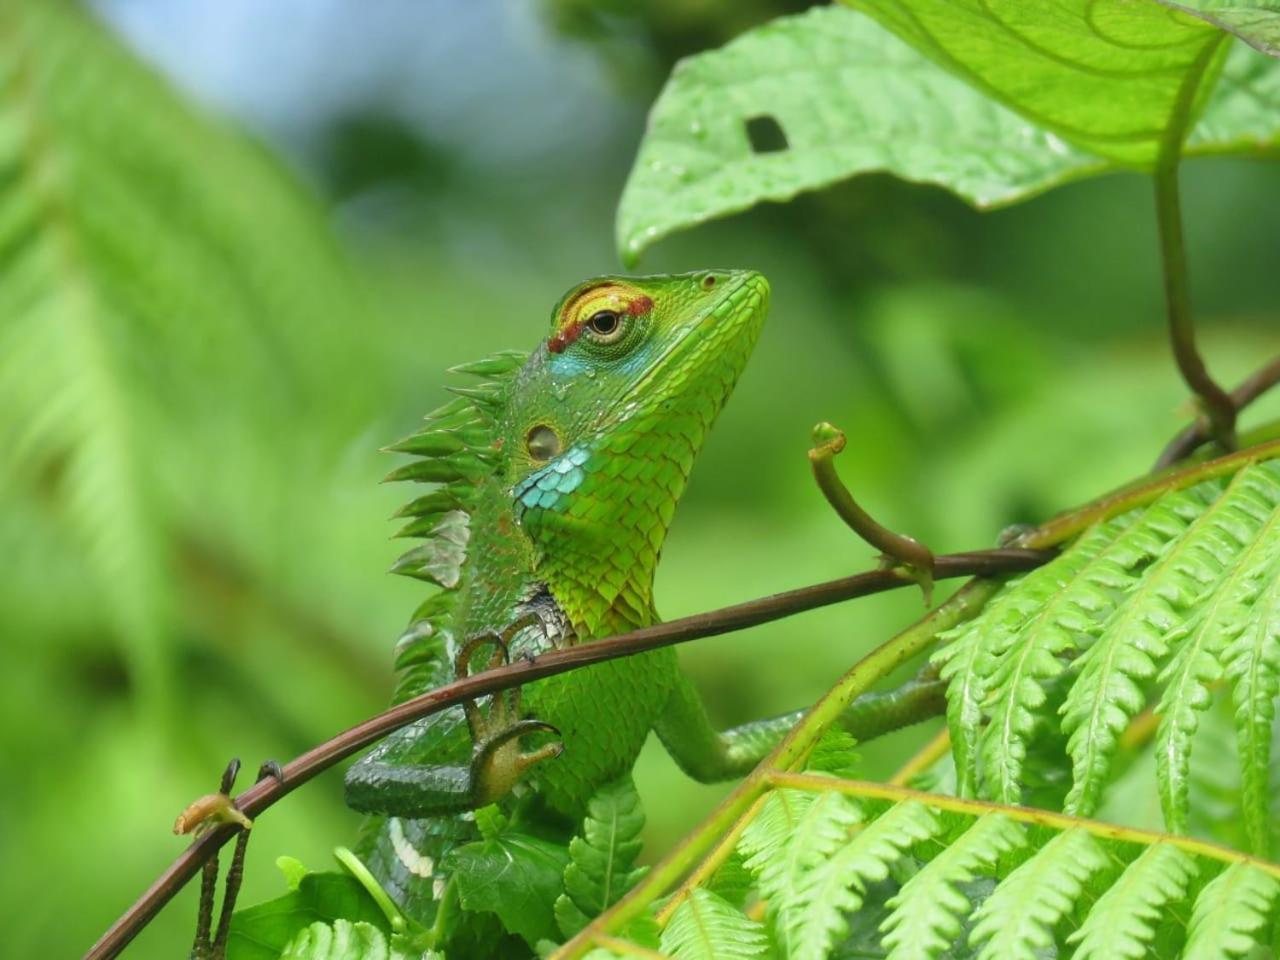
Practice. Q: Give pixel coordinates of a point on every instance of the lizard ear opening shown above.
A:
(542, 442)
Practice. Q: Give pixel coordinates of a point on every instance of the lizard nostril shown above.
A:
(708, 281)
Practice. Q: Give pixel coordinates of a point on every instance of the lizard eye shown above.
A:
(605, 326)
(542, 442)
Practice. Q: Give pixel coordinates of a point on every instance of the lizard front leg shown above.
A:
(453, 761)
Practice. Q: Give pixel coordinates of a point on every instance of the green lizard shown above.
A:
(555, 482)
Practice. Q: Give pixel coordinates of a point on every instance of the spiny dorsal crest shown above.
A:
(455, 449)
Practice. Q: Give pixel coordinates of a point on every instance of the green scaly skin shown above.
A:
(555, 482)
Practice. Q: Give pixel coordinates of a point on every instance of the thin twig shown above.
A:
(923, 759)
(828, 441)
(265, 793)
(1196, 434)
(1217, 404)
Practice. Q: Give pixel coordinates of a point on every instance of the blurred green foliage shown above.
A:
(195, 383)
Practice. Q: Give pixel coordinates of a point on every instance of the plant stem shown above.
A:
(1065, 526)
(1033, 815)
(924, 758)
(828, 441)
(1246, 391)
(1216, 403)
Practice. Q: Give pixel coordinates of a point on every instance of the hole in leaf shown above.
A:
(765, 135)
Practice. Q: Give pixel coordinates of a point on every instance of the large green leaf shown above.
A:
(1256, 22)
(850, 98)
(1116, 77)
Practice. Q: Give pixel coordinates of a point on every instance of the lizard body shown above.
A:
(555, 481)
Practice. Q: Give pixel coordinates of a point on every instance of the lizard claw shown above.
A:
(497, 762)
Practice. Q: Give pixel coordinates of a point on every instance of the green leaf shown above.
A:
(340, 941)
(603, 856)
(262, 931)
(1017, 920)
(849, 98)
(1116, 78)
(704, 927)
(1243, 115)
(515, 876)
(343, 940)
(1256, 22)
(885, 106)
(1230, 914)
(1121, 925)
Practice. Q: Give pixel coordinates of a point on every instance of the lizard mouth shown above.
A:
(710, 350)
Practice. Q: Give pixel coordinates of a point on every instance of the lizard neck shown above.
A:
(599, 514)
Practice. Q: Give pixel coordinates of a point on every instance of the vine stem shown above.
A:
(1067, 525)
(264, 794)
(1217, 404)
(828, 441)
(1047, 818)
(1193, 436)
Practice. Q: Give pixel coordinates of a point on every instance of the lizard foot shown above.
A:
(497, 761)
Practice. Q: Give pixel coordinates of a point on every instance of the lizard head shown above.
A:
(606, 417)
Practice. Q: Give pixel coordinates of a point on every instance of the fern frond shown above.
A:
(705, 927)
(150, 257)
(1253, 665)
(927, 912)
(1121, 924)
(922, 875)
(1031, 657)
(1199, 643)
(602, 857)
(794, 832)
(972, 654)
(1133, 640)
(1073, 592)
(1230, 913)
(1173, 595)
(811, 918)
(1017, 920)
